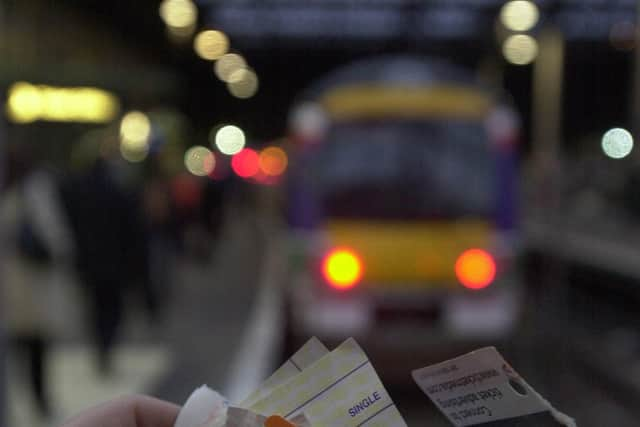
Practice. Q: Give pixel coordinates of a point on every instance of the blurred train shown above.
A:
(402, 197)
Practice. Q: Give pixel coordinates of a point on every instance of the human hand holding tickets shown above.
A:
(130, 411)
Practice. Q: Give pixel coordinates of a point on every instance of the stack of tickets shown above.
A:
(316, 387)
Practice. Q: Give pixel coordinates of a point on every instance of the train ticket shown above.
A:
(240, 417)
(340, 389)
(308, 354)
(205, 407)
(482, 388)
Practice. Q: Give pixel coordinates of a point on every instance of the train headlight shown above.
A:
(342, 268)
(475, 269)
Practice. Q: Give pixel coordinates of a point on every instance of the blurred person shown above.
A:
(187, 198)
(130, 411)
(35, 245)
(102, 221)
(212, 206)
(162, 238)
(134, 184)
(186, 195)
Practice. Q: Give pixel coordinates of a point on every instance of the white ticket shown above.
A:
(482, 388)
(205, 407)
(340, 389)
(307, 355)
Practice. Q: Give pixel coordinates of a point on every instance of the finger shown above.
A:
(151, 412)
(130, 411)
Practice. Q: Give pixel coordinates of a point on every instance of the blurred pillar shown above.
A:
(547, 93)
(547, 114)
(3, 341)
(3, 377)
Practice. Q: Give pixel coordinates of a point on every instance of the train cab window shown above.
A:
(439, 169)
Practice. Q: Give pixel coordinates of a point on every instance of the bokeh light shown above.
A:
(27, 103)
(519, 15)
(502, 125)
(617, 143)
(229, 139)
(24, 102)
(246, 163)
(180, 35)
(211, 44)
(135, 129)
(179, 13)
(273, 161)
(199, 161)
(520, 49)
(133, 154)
(309, 121)
(227, 64)
(243, 83)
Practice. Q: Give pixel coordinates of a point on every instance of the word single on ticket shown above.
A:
(364, 404)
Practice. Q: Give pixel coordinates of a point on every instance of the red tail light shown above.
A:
(342, 268)
(475, 269)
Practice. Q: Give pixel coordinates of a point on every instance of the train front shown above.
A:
(402, 210)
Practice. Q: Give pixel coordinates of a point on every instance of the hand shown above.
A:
(130, 411)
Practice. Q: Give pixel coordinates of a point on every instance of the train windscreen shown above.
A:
(440, 169)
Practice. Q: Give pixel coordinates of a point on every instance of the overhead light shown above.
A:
(617, 143)
(519, 15)
(200, 161)
(135, 130)
(178, 13)
(243, 83)
(228, 64)
(180, 35)
(211, 44)
(134, 154)
(520, 49)
(27, 103)
(229, 139)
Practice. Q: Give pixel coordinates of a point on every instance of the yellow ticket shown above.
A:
(340, 389)
(308, 354)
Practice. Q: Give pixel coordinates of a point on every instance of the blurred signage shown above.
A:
(27, 103)
(303, 22)
(590, 23)
(450, 23)
(402, 19)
